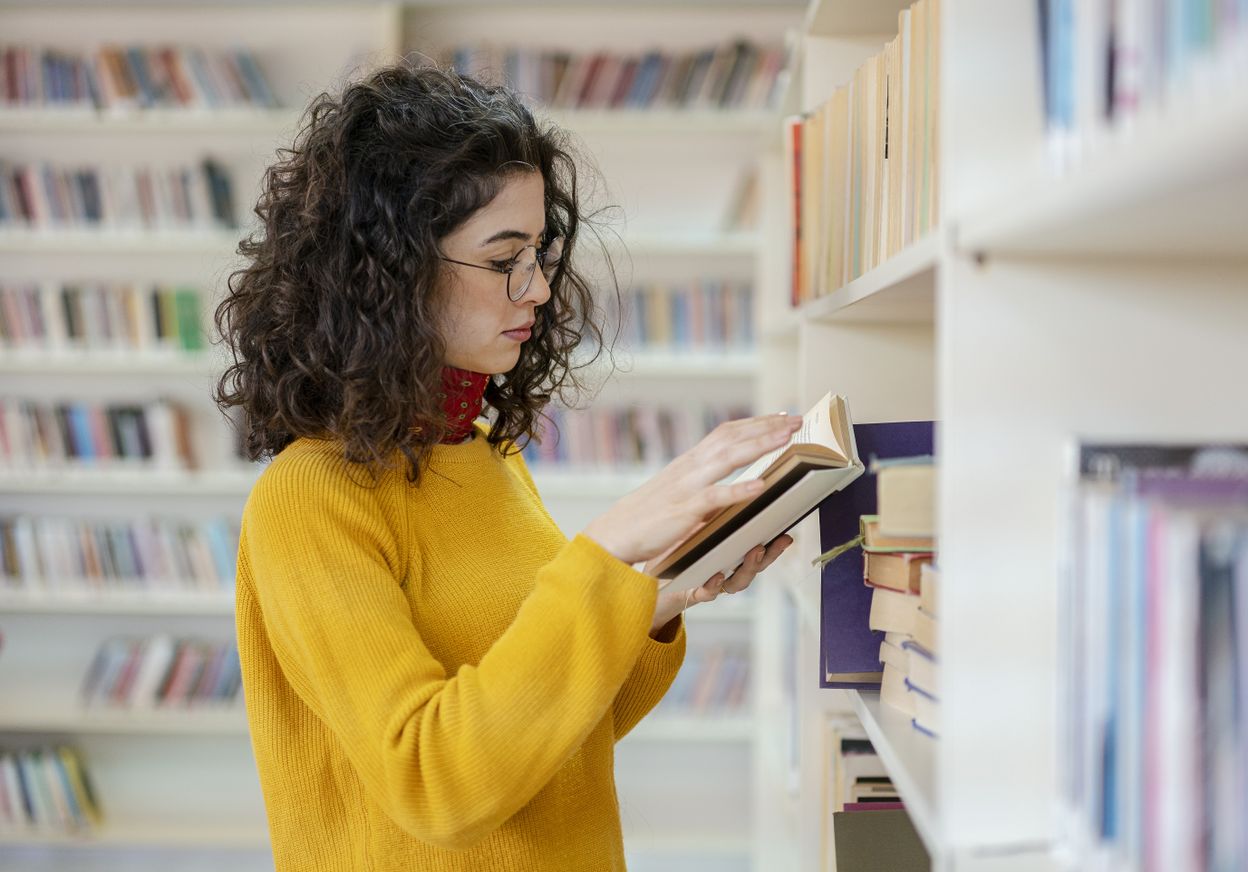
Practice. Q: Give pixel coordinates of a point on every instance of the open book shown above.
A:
(820, 459)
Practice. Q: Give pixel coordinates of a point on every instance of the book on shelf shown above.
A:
(43, 196)
(46, 789)
(640, 435)
(857, 774)
(63, 318)
(907, 496)
(733, 75)
(1153, 606)
(117, 79)
(878, 840)
(162, 672)
(863, 165)
(707, 314)
(712, 681)
(67, 556)
(849, 647)
(1106, 63)
(820, 458)
(154, 436)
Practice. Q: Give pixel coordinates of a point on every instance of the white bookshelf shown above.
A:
(1097, 298)
(672, 173)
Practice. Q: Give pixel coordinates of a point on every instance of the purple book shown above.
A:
(872, 806)
(849, 649)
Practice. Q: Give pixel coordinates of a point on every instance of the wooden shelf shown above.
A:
(29, 718)
(123, 242)
(152, 835)
(225, 482)
(279, 121)
(93, 122)
(586, 482)
(714, 244)
(664, 121)
(663, 727)
(110, 363)
(900, 290)
(903, 288)
(1175, 186)
(910, 758)
(118, 602)
(687, 364)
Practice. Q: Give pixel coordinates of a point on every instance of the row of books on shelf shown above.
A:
(46, 789)
(734, 75)
(57, 555)
(640, 435)
(1107, 61)
(704, 314)
(163, 672)
(1153, 669)
(713, 679)
(126, 78)
(66, 317)
(44, 196)
(863, 811)
(864, 165)
(37, 435)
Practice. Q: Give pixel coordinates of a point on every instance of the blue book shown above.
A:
(849, 648)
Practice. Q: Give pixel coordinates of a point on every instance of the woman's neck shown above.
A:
(462, 397)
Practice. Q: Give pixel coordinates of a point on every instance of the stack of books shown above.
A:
(163, 672)
(123, 78)
(42, 196)
(46, 789)
(119, 317)
(36, 435)
(864, 165)
(734, 75)
(899, 549)
(857, 775)
(43, 554)
(1153, 678)
(639, 435)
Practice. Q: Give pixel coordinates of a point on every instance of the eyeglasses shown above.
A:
(520, 269)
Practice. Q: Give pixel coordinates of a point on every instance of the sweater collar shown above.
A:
(462, 397)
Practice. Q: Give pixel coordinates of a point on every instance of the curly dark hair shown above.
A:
(331, 322)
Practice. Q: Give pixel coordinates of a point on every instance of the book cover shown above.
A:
(849, 648)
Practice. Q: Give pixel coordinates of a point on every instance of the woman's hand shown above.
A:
(668, 508)
(672, 604)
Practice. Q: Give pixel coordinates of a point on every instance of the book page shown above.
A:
(817, 429)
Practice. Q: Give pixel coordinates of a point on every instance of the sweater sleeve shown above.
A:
(450, 758)
(651, 677)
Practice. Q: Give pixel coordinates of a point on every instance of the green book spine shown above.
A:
(189, 331)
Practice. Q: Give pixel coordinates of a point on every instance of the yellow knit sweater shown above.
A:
(435, 676)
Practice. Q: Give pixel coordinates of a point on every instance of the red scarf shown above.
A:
(462, 396)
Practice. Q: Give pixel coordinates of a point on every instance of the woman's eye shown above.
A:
(501, 265)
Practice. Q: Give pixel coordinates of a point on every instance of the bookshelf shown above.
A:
(1057, 299)
(665, 168)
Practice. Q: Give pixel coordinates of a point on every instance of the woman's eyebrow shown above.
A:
(510, 234)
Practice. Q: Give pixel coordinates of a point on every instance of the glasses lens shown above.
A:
(521, 275)
(551, 255)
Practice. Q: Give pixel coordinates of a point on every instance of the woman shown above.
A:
(435, 677)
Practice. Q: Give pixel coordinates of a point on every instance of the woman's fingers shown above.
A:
(736, 443)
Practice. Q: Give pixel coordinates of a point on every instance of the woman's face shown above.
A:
(478, 320)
